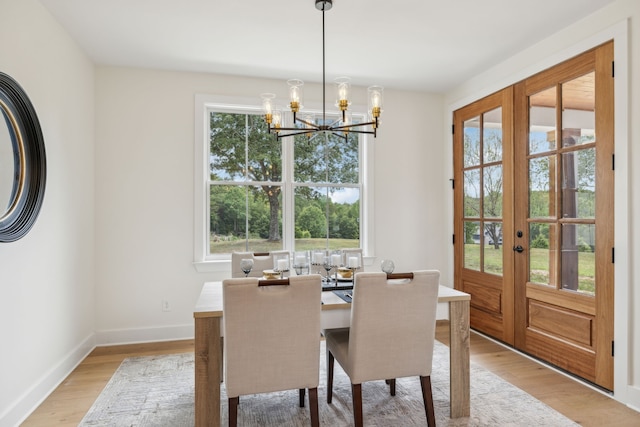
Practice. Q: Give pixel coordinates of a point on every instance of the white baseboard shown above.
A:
(633, 397)
(25, 404)
(142, 335)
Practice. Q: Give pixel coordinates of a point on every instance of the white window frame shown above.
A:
(203, 262)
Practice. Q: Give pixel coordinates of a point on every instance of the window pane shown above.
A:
(493, 248)
(578, 258)
(344, 218)
(326, 158)
(492, 195)
(492, 136)
(542, 121)
(579, 184)
(578, 111)
(472, 246)
(472, 193)
(245, 218)
(227, 146)
(541, 259)
(472, 142)
(313, 215)
(264, 154)
(541, 187)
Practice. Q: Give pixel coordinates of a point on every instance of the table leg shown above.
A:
(459, 358)
(208, 361)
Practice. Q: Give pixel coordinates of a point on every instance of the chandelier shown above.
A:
(307, 124)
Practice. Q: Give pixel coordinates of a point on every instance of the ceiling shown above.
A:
(425, 45)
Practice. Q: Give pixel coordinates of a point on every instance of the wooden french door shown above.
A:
(483, 187)
(552, 296)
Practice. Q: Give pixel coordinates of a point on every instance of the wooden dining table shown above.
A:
(336, 313)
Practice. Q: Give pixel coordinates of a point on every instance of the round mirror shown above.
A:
(8, 158)
(22, 162)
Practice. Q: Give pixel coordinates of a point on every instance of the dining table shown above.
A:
(336, 313)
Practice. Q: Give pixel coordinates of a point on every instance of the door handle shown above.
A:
(518, 248)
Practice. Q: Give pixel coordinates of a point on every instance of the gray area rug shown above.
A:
(159, 391)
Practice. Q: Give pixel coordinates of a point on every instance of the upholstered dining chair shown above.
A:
(261, 261)
(272, 338)
(391, 335)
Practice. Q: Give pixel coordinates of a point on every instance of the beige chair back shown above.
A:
(271, 334)
(392, 326)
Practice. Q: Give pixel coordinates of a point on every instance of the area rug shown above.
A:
(159, 391)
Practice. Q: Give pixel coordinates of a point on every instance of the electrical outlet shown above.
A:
(165, 305)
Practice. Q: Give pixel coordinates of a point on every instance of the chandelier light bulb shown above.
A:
(375, 100)
(343, 86)
(295, 94)
(268, 100)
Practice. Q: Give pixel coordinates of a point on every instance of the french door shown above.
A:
(553, 295)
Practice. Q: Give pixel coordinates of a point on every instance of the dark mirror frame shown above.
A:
(30, 164)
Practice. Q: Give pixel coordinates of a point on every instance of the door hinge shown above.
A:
(613, 255)
(613, 68)
(453, 183)
(613, 348)
(613, 162)
(453, 239)
(453, 129)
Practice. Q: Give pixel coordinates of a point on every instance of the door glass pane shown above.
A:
(578, 111)
(579, 184)
(492, 136)
(472, 245)
(541, 259)
(542, 121)
(542, 187)
(471, 193)
(493, 248)
(492, 195)
(472, 142)
(578, 258)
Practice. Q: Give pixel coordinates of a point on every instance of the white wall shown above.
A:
(621, 22)
(46, 278)
(145, 192)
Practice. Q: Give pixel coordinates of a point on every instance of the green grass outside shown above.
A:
(538, 265)
(259, 245)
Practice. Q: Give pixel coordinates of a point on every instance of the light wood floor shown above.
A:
(70, 401)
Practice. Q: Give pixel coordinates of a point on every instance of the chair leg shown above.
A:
(425, 382)
(356, 393)
(313, 407)
(233, 411)
(330, 362)
(302, 392)
(392, 386)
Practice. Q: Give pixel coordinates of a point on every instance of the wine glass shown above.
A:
(327, 266)
(246, 265)
(387, 266)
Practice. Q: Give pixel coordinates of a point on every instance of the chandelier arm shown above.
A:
(366, 132)
(300, 132)
(356, 125)
(340, 135)
(313, 125)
